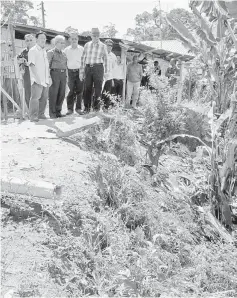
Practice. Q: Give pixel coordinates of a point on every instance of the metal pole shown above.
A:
(160, 26)
(43, 15)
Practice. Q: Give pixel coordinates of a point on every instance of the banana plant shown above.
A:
(215, 42)
(214, 39)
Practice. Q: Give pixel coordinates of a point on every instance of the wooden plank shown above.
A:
(9, 98)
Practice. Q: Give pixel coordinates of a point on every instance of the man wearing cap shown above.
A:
(94, 66)
(74, 54)
(58, 66)
(109, 82)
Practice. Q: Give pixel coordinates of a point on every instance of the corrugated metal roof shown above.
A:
(174, 46)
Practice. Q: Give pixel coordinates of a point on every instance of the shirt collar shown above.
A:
(73, 48)
(39, 47)
(57, 50)
(96, 43)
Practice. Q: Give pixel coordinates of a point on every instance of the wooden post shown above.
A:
(17, 70)
(124, 49)
(4, 100)
(180, 90)
(125, 74)
(189, 84)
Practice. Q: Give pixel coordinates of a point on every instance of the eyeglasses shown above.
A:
(29, 40)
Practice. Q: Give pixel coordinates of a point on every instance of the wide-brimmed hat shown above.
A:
(95, 32)
(109, 42)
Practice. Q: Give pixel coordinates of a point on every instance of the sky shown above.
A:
(84, 15)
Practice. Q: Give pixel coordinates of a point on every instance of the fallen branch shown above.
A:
(171, 138)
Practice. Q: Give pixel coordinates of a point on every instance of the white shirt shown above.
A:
(118, 72)
(38, 57)
(74, 57)
(112, 63)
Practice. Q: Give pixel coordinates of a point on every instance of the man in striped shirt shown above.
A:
(94, 67)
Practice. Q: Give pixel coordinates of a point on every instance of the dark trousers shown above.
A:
(118, 87)
(105, 97)
(27, 86)
(56, 92)
(93, 75)
(75, 90)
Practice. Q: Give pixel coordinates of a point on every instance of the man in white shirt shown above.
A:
(109, 82)
(118, 76)
(40, 78)
(74, 54)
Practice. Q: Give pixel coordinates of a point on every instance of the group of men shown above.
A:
(92, 73)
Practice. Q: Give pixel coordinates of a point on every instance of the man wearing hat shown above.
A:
(94, 66)
(109, 82)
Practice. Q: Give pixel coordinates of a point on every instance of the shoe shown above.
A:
(69, 112)
(34, 120)
(53, 116)
(43, 117)
(59, 115)
(79, 111)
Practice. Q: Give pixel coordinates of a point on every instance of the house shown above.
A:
(167, 49)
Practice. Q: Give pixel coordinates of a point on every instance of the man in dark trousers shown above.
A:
(30, 42)
(94, 67)
(58, 66)
(74, 53)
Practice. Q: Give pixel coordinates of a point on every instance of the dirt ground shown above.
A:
(34, 151)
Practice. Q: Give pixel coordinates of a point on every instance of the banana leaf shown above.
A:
(182, 30)
(222, 7)
(231, 8)
(205, 27)
(206, 5)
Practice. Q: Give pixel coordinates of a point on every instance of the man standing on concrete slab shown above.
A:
(74, 54)
(94, 66)
(40, 78)
(109, 82)
(58, 67)
(134, 77)
(30, 42)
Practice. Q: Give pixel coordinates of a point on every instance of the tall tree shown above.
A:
(153, 26)
(109, 31)
(19, 10)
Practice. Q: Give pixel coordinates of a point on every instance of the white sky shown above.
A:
(84, 15)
